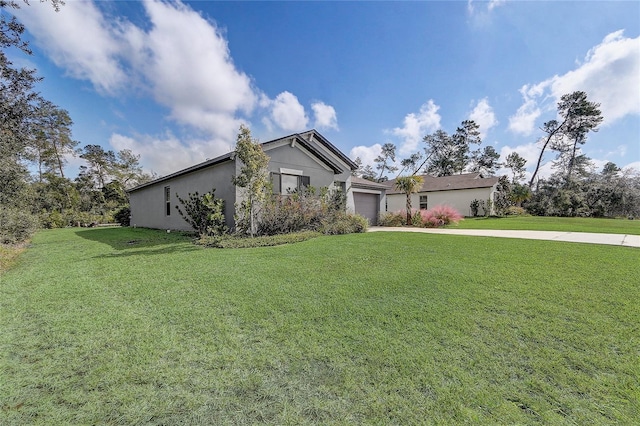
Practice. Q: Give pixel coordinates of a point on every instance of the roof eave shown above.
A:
(205, 164)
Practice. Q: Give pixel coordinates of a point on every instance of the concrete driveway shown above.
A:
(572, 237)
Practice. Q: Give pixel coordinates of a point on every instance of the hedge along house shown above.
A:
(457, 191)
(295, 161)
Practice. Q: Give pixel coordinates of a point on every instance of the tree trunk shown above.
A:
(552, 134)
(572, 159)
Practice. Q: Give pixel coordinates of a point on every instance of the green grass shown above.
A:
(133, 326)
(540, 223)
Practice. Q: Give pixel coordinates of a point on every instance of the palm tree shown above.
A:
(409, 185)
(519, 193)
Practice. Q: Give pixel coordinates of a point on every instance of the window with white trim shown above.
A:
(423, 202)
(284, 183)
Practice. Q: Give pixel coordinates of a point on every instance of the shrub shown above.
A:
(475, 207)
(16, 225)
(416, 218)
(392, 219)
(123, 215)
(344, 223)
(515, 211)
(52, 219)
(236, 241)
(204, 213)
(300, 211)
(440, 216)
(308, 210)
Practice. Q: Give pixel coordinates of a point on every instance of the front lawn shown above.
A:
(542, 223)
(134, 326)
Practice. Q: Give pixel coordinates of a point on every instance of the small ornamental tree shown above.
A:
(409, 185)
(204, 213)
(253, 179)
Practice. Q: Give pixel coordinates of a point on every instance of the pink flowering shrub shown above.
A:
(432, 218)
(440, 216)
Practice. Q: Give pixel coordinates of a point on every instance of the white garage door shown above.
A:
(367, 205)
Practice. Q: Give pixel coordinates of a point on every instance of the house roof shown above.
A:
(359, 182)
(313, 133)
(448, 183)
(307, 139)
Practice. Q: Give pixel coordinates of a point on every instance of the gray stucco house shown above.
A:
(457, 191)
(296, 160)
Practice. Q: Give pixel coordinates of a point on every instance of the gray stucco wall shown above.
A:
(148, 207)
(298, 158)
(148, 203)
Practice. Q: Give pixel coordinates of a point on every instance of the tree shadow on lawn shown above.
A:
(138, 241)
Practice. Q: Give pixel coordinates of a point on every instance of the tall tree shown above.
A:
(571, 168)
(578, 117)
(468, 133)
(610, 170)
(358, 170)
(581, 117)
(517, 165)
(17, 109)
(18, 101)
(411, 163)
(385, 161)
(253, 179)
(440, 154)
(409, 185)
(485, 161)
(364, 172)
(100, 164)
(53, 137)
(128, 171)
(551, 129)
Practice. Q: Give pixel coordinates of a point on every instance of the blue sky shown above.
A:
(173, 81)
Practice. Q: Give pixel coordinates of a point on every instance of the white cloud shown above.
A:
(481, 16)
(79, 39)
(609, 74)
(484, 117)
(366, 153)
(165, 155)
(491, 4)
(598, 165)
(186, 62)
(416, 126)
(325, 116)
(524, 120)
(287, 112)
(634, 166)
(495, 3)
(73, 163)
(179, 57)
(529, 152)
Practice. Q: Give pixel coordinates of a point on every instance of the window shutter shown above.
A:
(275, 182)
(305, 181)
